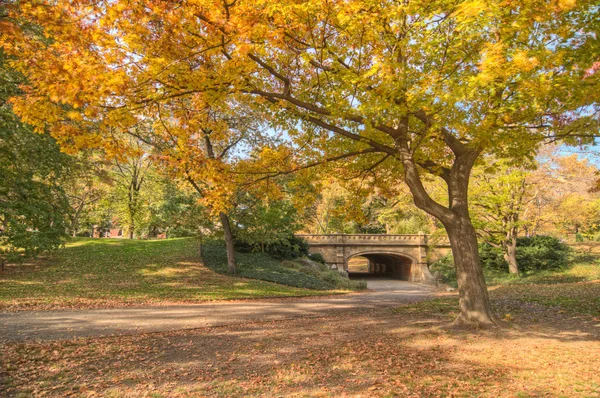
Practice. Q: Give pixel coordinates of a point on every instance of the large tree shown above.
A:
(412, 88)
(34, 209)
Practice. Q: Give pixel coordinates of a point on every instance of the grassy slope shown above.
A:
(584, 267)
(114, 272)
(262, 266)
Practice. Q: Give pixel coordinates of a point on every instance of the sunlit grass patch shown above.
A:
(115, 272)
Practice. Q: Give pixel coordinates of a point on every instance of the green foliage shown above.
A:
(267, 226)
(286, 248)
(444, 267)
(318, 257)
(534, 253)
(341, 282)
(175, 210)
(264, 267)
(33, 207)
(492, 257)
(291, 247)
(542, 252)
(543, 259)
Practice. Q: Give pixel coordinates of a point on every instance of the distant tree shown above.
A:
(85, 182)
(498, 196)
(175, 209)
(260, 223)
(130, 176)
(564, 198)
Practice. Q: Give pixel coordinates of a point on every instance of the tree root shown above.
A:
(478, 322)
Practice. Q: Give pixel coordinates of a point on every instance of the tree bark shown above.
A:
(510, 255)
(474, 302)
(231, 267)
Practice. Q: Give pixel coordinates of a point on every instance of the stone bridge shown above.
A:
(397, 256)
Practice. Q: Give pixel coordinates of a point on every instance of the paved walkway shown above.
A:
(66, 324)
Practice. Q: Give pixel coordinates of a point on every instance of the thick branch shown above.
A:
(314, 164)
(453, 143)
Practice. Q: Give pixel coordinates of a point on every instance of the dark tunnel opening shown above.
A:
(377, 265)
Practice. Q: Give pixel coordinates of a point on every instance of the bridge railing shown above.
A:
(363, 237)
(340, 238)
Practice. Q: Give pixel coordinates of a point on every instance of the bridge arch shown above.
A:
(405, 256)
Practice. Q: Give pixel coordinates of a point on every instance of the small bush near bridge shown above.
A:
(288, 248)
(318, 257)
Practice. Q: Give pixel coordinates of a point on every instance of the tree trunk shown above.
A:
(510, 255)
(231, 267)
(130, 231)
(474, 302)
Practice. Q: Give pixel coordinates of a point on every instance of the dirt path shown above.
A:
(57, 325)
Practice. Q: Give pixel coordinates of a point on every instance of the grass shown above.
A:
(583, 268)
(292, 273)
(574, 290)
(115, 272)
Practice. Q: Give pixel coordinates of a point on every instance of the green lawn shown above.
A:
(114, 272)
(574, 290)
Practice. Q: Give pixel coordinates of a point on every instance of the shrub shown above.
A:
(318, 257)
(286, 249)
(290, 264)
(492, 257)
(444, 267)
(539, 252)
(307, 262)
(341, 282)
(534, 253)
(289, 248)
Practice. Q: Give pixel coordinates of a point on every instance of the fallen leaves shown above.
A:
(380, 353)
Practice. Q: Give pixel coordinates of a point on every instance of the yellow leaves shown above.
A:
(499, 64)
(565, 5)
(470, 9)
(121, 117)
(492, 63)
(74, 115)
(522, 61)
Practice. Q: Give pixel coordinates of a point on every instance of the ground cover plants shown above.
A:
(302, 273)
